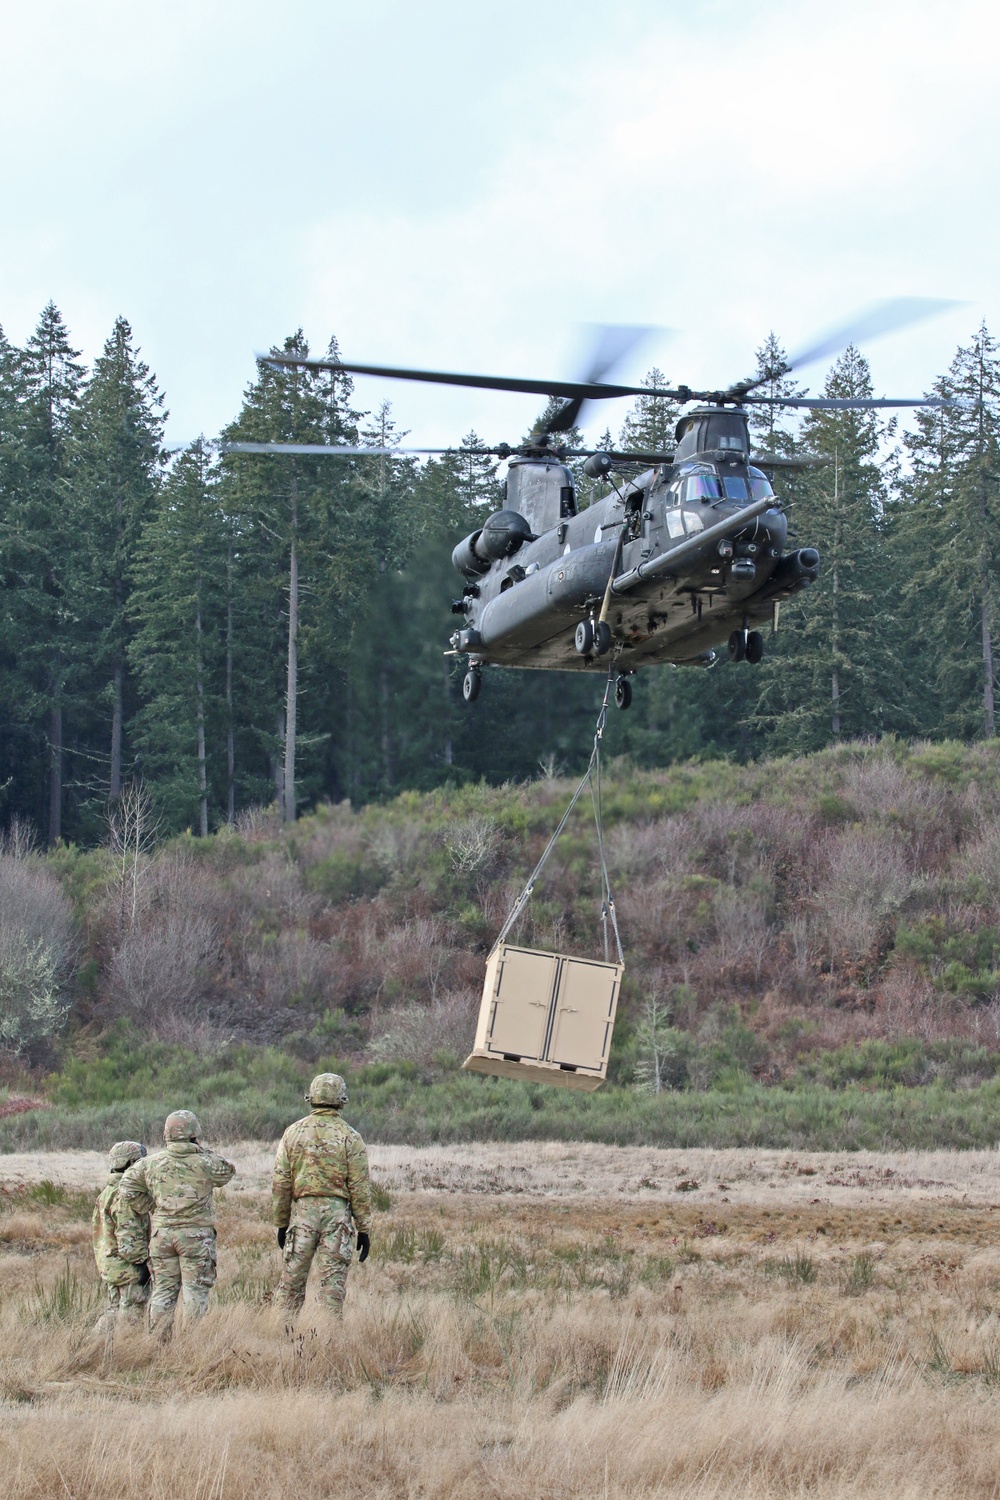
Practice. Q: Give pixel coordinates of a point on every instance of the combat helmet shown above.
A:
(327, 1089)
(123, 1154)
(182, 1125)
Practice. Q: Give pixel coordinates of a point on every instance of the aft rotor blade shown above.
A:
(332, 450)
(859, 403)
(583, 390)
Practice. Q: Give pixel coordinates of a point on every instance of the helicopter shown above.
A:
(684, 558)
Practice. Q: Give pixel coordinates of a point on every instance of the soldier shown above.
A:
(125, 1279)
(320, 1183)
(176, 1186)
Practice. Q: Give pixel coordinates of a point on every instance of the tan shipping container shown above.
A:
(546, 1017)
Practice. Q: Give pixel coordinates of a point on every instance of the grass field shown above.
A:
(550, 1320)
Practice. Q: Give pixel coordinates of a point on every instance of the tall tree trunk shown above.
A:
(116, 727)
(55, 764)
(447, 711)
(292, 683)
(200, 689)
(388, 767)
(230, 742)
(989, 710)
(835, 624)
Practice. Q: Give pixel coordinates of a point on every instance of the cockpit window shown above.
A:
(730, 440)
(735, 486)
(760, 488)
(701, 487)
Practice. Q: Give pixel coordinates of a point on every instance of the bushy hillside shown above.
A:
(774, 916)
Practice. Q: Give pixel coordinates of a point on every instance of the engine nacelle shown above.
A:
(502, 535)
(798, 568)
(467, 560)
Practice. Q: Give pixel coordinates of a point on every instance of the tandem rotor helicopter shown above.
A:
(685, 556)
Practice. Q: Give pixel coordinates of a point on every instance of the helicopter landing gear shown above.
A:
(623, 692)
(593, 639)
(472, 684)
(746, 645)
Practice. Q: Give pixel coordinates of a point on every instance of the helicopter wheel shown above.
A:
(602, 638)
(755, 647)
(583, 640)
(472, 683)
(623, 693)
(738, 645)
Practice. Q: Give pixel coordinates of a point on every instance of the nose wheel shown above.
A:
(746, 645)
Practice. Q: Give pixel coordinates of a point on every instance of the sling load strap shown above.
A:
(591, 777)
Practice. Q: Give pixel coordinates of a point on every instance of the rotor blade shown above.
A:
(584, 390)
(610, 343)
(884, 317)
(778, 461)
(859, 403)
(333, 450)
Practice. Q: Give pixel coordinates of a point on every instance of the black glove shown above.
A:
(144, 1277)
(364, 1245)
(281, 1238)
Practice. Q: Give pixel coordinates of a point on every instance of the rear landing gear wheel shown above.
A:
(584, 638)
(472, 683)
(602, 638)
(737, 645)
(755, 647)
(623, 693)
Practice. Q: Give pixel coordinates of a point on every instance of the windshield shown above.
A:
(760, 488)
(736, 487)
(702, 487)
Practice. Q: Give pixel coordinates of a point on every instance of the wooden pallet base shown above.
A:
(531, 1072)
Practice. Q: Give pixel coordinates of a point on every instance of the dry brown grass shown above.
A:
(824, 1325)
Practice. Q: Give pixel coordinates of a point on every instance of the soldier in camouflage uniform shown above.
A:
(124, 1278)
(176, 1187)
(320, 1184)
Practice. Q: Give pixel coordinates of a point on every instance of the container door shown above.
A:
(522, 1003)
(584, 1014)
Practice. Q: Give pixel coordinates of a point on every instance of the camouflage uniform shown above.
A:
(320, 1184)
(120, 1277)
(176, 1186)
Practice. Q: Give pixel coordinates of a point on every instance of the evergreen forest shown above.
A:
(226, 633)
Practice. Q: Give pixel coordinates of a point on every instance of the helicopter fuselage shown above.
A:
(522, 609)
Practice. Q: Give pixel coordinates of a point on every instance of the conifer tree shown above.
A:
(178, 607)
(774, 428)
(39, 544)
(944, 531)
(293, 513)
(832, 673)
(650, 424)
(118, 456)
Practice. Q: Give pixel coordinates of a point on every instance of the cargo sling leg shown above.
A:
(548, 1017)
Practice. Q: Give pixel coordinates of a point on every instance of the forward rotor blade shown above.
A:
(583, 390)
(829, 403)
(882, 318)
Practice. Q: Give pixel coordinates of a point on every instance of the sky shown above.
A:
(464, 185)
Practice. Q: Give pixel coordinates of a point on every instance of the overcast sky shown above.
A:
(461, 185)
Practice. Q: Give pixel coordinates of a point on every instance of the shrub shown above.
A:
(31, 1009)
